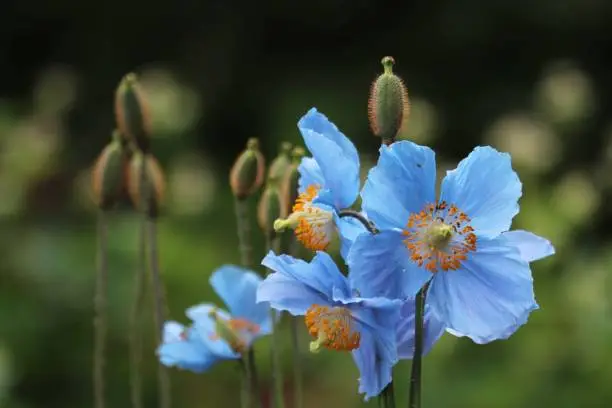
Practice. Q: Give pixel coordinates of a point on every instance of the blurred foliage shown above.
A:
(529, 78)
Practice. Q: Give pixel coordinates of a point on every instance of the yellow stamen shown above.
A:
(333, 328)
(235, 332)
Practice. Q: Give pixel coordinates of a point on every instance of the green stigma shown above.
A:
(439, 235)
(315, 345)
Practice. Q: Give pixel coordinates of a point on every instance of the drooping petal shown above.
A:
(173, 331)
(238, 288)
(489, 298)
(379, 265)
(348, 229)
(531, 246)
(204, 325)
(484, 187)
(310, 174)
(401, 183)
(283, 292)
(336, 156)
(375, 372)
(187, 353)
(432, 329)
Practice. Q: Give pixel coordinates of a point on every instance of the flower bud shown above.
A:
(280, 164)
(270, 208)
(132, 112)
(247, 174)
(388, 105)
(108, 180)
(289, 187)
(146, 189)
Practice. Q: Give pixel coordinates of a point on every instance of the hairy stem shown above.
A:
(135, 322)
(273, 243)
(414, 399)
(245, 248)
(100, 306)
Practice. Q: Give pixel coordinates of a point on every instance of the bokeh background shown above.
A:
(528, 77)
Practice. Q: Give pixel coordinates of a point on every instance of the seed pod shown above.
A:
(108, 180)
(290, 185)
(146, 190)
(270, 208)
(279, 166)
(388, 105)
(247, 174)
(132, 112)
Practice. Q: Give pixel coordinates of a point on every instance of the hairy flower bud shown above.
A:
(280, 164)
(388, 105)
(271, 207)
(132, 112)
(289, 187)
(247, 174)
(146, 190)
(108, 180)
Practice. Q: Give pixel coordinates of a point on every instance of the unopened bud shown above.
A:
(388, 106)
(108, 180)
(290, 182)
(132, 112)
(146, 184)
(247, 174)
(279, 166)
(270, 208)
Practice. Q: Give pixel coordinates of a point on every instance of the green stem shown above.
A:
(245, 386)
(386, 399)
(135, 322)
(414, 399)
(100, 306)
(245, 248)
(253, 378)
(298, 401)
(273, 243)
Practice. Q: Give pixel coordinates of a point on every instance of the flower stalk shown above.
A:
(414, 398)
(100, 305)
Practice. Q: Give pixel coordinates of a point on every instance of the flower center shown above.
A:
(439, 237)
(313, 226)
(237, 333)
(332, 328)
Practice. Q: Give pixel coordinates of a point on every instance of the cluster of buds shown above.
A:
(126, 166)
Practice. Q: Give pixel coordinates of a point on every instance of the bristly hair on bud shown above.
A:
(278, 167)
(388, 105)
(289, 186)
(132, 112)
(270, 208)
(108, 175)
(247, 174)
(154, 184)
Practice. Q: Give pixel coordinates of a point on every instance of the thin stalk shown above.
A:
(414, 399)
(100, 306)
(160, 309)
(245, 386)
(298, 395)
(135, 322)
(277, 374)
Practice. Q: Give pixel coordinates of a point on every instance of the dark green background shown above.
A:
(528, 77)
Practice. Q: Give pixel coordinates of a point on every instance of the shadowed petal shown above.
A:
(204, 325)
(188, 353)
(531, 246)
(349, 229)
(310, 174)
(485, 187)
(401, 183)
(432, 328)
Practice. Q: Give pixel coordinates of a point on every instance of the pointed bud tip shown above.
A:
(247, 173)
(132, 112)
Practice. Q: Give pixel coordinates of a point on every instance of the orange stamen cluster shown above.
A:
(427, 249)
(334, 325)
(238, 334)
(313, 228)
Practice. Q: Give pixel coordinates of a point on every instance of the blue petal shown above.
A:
(531, 246)
(205, 327)
(401, 183)
(188, 354)
(238, 288)
(484, 187)
(173, 331)
(489, 298)
(432, 328)
(336, 156)
(349, 229)
(380, 265)
(310, 174)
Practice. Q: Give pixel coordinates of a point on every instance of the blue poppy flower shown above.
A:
(329, 182)
(216, 334)
(335, 314)
(481, 284)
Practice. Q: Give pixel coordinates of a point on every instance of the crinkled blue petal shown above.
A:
(531, 246)
(401, 183)
(186, 353)
(432, 329)
(310, 174)
(380, 265)
(336, 156)
(238, 288)
(204, 325)
(484, 187)
(489, 297)
(348, 229)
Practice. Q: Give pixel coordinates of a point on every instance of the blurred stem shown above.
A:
(298, 401)
(244, 231)
(135, 322)
(273, 243)
(414, 399)
(100, 306)
(253, 378)
(386, 399)
(245, 386)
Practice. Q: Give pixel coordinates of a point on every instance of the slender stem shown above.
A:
(359, 217)
(100, 306)
(160, 309)
(245, 386)
(135, 322)
(253, 377)
(298, 381)
(414, 399)
(273, 243)
(244, 231)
